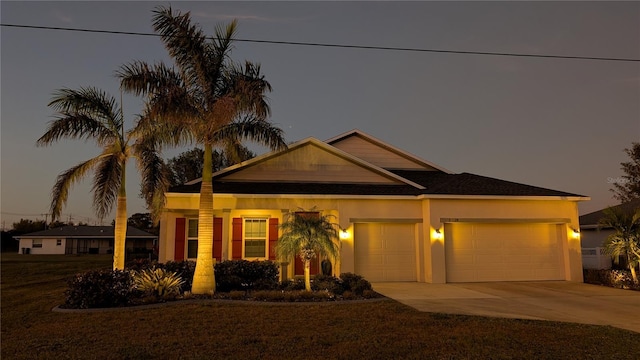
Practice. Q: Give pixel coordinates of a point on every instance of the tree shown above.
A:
(625, 241)
(627, 187)
(187, 165)
(25, 226)
(143, 221)
(307, 235)
(207, 100)
(87, 114)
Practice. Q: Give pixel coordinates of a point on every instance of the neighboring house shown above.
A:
(84, 240)
(401, 218)
(593, 236)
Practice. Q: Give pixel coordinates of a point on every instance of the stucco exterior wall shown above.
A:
(49, 247)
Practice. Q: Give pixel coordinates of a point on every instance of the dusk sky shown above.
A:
(555, 123)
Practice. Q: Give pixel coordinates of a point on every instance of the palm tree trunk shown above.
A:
(120, 230)
(204, 281)
(307, 275)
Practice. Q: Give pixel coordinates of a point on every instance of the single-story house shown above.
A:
(593, 236)
(84, 240)
(402, 218)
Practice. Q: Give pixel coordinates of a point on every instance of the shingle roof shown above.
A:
(435, 183)
(593, 218)
(86, 231)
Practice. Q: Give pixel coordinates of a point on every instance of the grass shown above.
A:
(32, 285)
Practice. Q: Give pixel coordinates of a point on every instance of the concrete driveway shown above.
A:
(538, 300)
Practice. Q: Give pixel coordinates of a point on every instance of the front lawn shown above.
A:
(32, 285)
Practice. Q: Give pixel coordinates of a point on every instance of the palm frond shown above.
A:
(64, 182)
(107, 181)
(155, 175)
(308, 234)
(253, 129)
(83, 114)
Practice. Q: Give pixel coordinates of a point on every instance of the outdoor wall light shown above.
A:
(344, 234)
(438, 234)
(576, 233)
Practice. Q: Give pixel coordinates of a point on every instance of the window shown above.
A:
(59, 242)
(255, 238)
(36, 243)
(192, 239)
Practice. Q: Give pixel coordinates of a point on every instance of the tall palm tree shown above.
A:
(307, 235)
(207, 100)
(625, 241)
(91, 114)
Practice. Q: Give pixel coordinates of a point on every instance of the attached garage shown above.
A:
(478, 252)
(385, 251)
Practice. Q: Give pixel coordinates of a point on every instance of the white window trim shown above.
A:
(187, 238)
(266, 238)
(37, 244)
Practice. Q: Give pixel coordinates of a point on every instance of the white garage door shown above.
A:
(503, 252)
(385, 251)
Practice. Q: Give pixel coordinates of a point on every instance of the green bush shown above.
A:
(246, 275)
(184, 269)
(328, 283)
(292, 285)
(614, 278)
(355, 283)
(100, 289)
(158, 283)
(140, 264)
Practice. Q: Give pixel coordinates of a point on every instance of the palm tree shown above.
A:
(89, 113)
(625, 241)
(307, 235)
(208, 100)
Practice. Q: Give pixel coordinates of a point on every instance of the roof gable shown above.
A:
(310, 161)
(379, 153)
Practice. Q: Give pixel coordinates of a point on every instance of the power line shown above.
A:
(385, 48)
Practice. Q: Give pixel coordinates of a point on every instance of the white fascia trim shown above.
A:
(392, 197)
(504, 197)
(297, 196)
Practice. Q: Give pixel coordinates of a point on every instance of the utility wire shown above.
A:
(489, 53)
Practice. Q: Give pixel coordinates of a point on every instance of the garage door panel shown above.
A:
(385, 251)
(503, 252)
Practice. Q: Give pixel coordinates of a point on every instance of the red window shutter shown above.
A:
(217, 239)
(273, 237)
(236, 239)
(180, 238)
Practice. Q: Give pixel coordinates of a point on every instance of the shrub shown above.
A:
(141, 264)
(328, 283)
(355, 283)
(184, 269)
(613, 278)
(100, 289)
(158, 283)
(292, 285)
(246, 275)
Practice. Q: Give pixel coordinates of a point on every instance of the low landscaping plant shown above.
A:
(246, 275)
(184, 269)
(100, 289)
(355, 283)
(158, 283)
(620, 279)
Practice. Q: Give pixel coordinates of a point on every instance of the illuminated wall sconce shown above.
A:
(344, 234)
(576, 233)
(438, 234)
